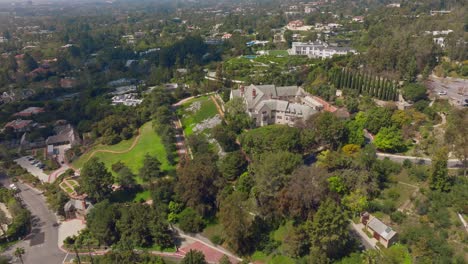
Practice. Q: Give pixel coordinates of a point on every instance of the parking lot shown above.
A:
(34, 170)
(451, 88)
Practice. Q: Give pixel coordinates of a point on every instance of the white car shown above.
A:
(13, 187)
(442, 93)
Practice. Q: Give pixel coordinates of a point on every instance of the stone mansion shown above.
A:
(268, 104)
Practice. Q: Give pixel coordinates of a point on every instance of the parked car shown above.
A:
(442, 93)
(13, 187)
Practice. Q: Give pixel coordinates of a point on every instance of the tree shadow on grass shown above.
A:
(125, 194)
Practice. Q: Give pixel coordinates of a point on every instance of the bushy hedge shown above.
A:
(21, 222)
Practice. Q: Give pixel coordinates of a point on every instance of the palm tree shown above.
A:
(19, 252)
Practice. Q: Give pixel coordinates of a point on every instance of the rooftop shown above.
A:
(382, 229)
(30, 111)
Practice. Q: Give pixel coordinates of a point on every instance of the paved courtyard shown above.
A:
(69, 228)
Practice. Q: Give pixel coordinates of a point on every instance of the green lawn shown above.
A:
(280, 233)
(271, 259)
(278, 52)
(66, 188)
(149, 142)
(144, 195)
(190, 119)
(73, 183)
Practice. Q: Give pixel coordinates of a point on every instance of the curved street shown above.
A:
(41, 244)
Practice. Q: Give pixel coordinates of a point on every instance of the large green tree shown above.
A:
(96, 181)
(328, 231)
(328, 128)
(151, 168)
(456, 135)
(271, 173)
(236, 115)
(101, 223)
(194, 257)
(439, 178)
(390, 139)
(414, 92)
(306, 188)
(233, 165)
(235, 218)
(198, 184)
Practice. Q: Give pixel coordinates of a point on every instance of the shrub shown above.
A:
(388, 206)
(397, 217)
(190, 221)
(393, 194)
(217, 240)
(407, 164)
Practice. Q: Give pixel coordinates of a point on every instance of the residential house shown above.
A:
(380, 231)
(20, 125)
(359, 19)
(295, 24)
(68, 82)
(397, 5)
(30, 111)
(64, 135)
(318, 49)
(309, 9)
(268, 104)
(124, 89)
(226, 36)
(130, 99)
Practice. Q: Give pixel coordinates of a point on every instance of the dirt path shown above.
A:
(220, 110)
(406, 205)
(134, 143)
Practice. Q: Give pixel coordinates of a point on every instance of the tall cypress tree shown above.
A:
(380, 93)
(365, 84)
(359, 87)
(342, 78)
(348, 79)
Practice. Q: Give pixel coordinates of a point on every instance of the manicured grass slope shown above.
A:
(149, 142)
(190, 119)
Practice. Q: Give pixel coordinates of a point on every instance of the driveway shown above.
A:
(41, 245)
(369, 243)
(39, 173)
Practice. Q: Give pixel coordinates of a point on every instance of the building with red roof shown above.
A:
(19, 125)
(30, 111)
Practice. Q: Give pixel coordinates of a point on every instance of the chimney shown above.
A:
(254, 93)
(242, 90)
(83, 203)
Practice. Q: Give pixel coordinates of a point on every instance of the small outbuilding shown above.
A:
(380, 231)
(77, 209)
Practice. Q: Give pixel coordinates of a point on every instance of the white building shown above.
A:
(318, 49)
(126, 99)
(268, 104)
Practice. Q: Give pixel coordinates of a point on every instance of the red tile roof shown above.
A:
(18, 124)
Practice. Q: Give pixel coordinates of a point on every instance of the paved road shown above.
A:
(41, 245)
(452, 163)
